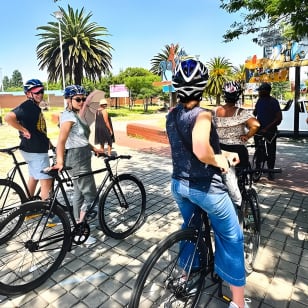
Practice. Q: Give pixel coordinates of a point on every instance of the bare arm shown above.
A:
(63, 135)
(253, 126)
(11, 119)
(201, 143)
(105, 116)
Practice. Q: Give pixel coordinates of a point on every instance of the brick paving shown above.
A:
(103, 274)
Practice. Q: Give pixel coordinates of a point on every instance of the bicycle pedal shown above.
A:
(91, 215)
(28, 217)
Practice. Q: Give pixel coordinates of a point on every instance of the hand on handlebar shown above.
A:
(98, 152)
(232, 157)
(57, 166)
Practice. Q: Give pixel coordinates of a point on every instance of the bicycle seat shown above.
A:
(54, 172)
(10, 150)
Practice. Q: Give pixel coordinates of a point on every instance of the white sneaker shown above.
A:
(90, 241)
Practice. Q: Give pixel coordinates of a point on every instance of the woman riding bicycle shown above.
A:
(198, 164)
(232, 123)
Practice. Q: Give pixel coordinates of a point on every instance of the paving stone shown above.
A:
(103, 274)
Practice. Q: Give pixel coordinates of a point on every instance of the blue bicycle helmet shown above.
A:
(189, 79)
(232, 91)
(32, 84)
(73, 90)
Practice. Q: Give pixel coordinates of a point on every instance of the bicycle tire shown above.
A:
(160, 281)
(251, 229)
(257, 175)
(11, 197)
(37, 248)
(120, 217)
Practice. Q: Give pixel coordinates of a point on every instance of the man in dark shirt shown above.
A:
(268, 112)
(28, 119)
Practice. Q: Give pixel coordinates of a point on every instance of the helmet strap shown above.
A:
(71, 108)
(31, 97)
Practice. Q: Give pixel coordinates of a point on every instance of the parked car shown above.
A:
(286, 127)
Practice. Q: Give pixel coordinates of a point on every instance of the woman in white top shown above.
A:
(75, 151)
(235, 126)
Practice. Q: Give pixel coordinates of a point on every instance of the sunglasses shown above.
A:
(39, 92)
(78, 99)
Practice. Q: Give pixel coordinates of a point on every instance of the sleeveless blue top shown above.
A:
(186, 166)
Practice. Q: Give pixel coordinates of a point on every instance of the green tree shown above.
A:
(239, 74)
(219, 72)
(157, 69)
(5, 83)
(84, 53)
(290, 13)
(139, 81)
(16, 80)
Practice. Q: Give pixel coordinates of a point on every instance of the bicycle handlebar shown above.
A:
(54, 172)
(256, 170)
(113, 157)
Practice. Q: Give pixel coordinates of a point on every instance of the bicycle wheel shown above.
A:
(258, 162)
(256, 165)
(36, 249)
(11, 197)
(167, 278)
(252, 229)
(122, 206)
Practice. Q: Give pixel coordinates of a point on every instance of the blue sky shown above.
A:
(139, 30)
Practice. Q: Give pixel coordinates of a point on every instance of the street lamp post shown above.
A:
(59, 15)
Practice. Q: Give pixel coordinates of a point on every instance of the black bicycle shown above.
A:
(12, 193)
(260, 156)
(172, 277)
(249, 216)
(14, 190)
(32, 249)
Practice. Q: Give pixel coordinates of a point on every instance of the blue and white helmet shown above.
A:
(73, 90)
(232, 91)
(189, 79)
(32, 84)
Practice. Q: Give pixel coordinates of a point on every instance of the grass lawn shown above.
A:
(9, 135)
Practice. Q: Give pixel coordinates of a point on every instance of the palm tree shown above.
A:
(219, 72)
(84, 54)
(161, 57)
(239, 74)
(170, 51)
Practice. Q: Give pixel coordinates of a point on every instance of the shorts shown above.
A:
(36, 163)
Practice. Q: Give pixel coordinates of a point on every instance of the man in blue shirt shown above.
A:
(268, 113)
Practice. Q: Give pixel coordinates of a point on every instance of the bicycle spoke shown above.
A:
(33, 252)
(167, 279)
(122, 207)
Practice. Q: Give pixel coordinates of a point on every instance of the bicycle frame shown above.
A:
(61, 180)
(204, 237)
(16, 169)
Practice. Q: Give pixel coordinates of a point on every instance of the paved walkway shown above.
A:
(103, 274)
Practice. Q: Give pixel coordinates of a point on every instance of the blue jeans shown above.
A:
(229, 246)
